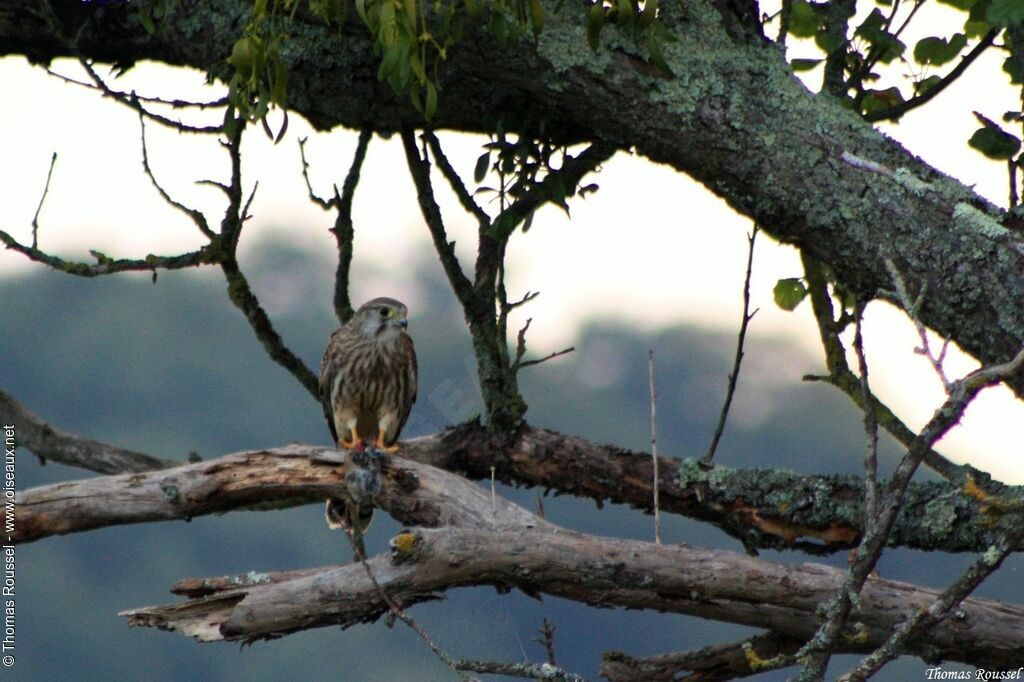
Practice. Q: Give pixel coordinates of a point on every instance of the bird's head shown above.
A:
(382, 318)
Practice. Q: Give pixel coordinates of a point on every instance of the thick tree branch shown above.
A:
(256, 480)
(765, 509)
(863, 195)
(597, 571)
(49, 443)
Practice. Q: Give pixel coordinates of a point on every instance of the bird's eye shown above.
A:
(385, 312)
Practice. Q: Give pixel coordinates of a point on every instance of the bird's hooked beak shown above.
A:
(402, 322)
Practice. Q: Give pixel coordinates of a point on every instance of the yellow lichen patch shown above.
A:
(404, 542)
(753, 660)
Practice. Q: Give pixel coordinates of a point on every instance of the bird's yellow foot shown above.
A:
(355, 444)
(379, 444)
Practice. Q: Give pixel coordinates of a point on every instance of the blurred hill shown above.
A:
(171, 368)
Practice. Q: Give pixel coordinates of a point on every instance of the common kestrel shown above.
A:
(367, 387)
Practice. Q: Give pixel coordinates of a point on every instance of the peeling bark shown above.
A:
(598, 571)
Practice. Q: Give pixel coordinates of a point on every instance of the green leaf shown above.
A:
(482, 164)
(147, 21)
(1014, 66)
(624, 14)
(995, 143)
(805, 64)
(431, 105)
(1005, 12)
(595, 22)
(647, 15)
(536, 17)
(828, 42)
(803, 20)
(938, 51)
(654, 46)
(877, 100)
(789, 292)
(886, 45)
(926, 84)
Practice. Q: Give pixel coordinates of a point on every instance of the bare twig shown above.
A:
(194, 215)
(42, 198)
(396, 611)
(459, 187)
(343, 230)
(106, 265)
(48, 442)
(547, 640)
(846, 381)
(419, 168)
(870, 426)
(173, 103)
(912, 307)
(943, 607)
(818, 650)
(734, 375)
(549, 356)
(656, 482)
(132, 101)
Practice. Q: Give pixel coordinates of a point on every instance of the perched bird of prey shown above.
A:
(367, 387)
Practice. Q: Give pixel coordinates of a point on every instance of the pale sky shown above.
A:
(652, 247)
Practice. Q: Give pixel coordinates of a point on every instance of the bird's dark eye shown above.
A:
(385, 312)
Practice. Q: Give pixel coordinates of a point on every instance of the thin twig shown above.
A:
(944, 606)
(419, 169)
(398, 612)
(547, 640)
(344, 228)
(896, 111)
(912, 308)
(194, 215)
(870, 426)
(656, 485)
(173, 103)
(42, 198)
(817, 651)
(459, 187)
(549, 356)
(734, 375)
(846, 381)
(131, 101)
(106, 265)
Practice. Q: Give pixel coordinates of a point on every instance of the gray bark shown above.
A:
(598, 571)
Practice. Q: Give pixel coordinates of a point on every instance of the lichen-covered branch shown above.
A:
(598, 571)
(764, 508)
(49, 443)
